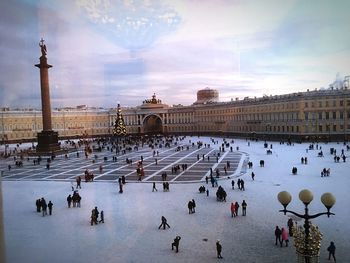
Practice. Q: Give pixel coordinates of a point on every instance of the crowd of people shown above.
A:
(42, 206)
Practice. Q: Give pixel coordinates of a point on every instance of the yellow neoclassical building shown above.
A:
(310, 115)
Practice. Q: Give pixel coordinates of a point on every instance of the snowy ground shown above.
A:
(130, 232)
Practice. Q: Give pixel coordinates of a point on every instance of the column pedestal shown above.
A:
(48, 142)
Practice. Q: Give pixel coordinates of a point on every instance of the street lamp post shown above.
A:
(308, 252)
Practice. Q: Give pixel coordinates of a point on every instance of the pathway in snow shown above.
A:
(199, 161)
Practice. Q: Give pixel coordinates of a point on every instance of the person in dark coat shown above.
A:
(176, 243)
(164, 223)
(236, 208)
(43, 206)
(78, 200)
(50, 205)
(189, 205)
(102, 220)
(278, 234)
(38, 205)
(242, 185)
(244, 208)
(233, 184)
(93, 217)
(96, 214)
(69, 200)
(253, 175)
(239, 184)
(331, 251)
(193, 206)
(218, 248)
(78, 180)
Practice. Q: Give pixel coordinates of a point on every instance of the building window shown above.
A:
(327, 115)
(320, 128)
(334, 115)
(341, 115)
(341, 103)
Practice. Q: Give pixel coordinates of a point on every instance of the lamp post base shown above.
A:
(301, 258)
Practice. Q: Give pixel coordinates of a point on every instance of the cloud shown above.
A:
(241, 48)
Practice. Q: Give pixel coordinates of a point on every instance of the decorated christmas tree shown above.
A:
(119, 126)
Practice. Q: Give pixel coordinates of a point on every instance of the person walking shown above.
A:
(284, 237)
(38, 205)
(233, 210)
(176, 243)
(78, 180)
(242, 185)
(50, 205)
(233, 184)
(278, 234)
(96, 215)
(120, 187)
(164, 223)
(43, 206)
(244, 208)
(154, 187)
(78, 200)
(189, 205)
(193, 206)
(102, 220)
(218, 248)
(93, 217)
(69, 200)
(331, 251)
(236, 208)
(253, 175)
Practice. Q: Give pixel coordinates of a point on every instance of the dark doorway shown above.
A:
(152, 124)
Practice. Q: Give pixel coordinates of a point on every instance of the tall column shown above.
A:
(45, 93)
(47, 139)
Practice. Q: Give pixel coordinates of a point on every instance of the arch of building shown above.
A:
(152, 123)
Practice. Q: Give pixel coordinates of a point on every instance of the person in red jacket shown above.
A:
(284, 237)
(233, 210)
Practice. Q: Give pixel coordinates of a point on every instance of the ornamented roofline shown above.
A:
(154, 100)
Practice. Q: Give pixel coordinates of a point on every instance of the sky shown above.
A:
(130, 233)
(106, 52)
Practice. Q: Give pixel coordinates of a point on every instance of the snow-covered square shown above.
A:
(131, 219)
